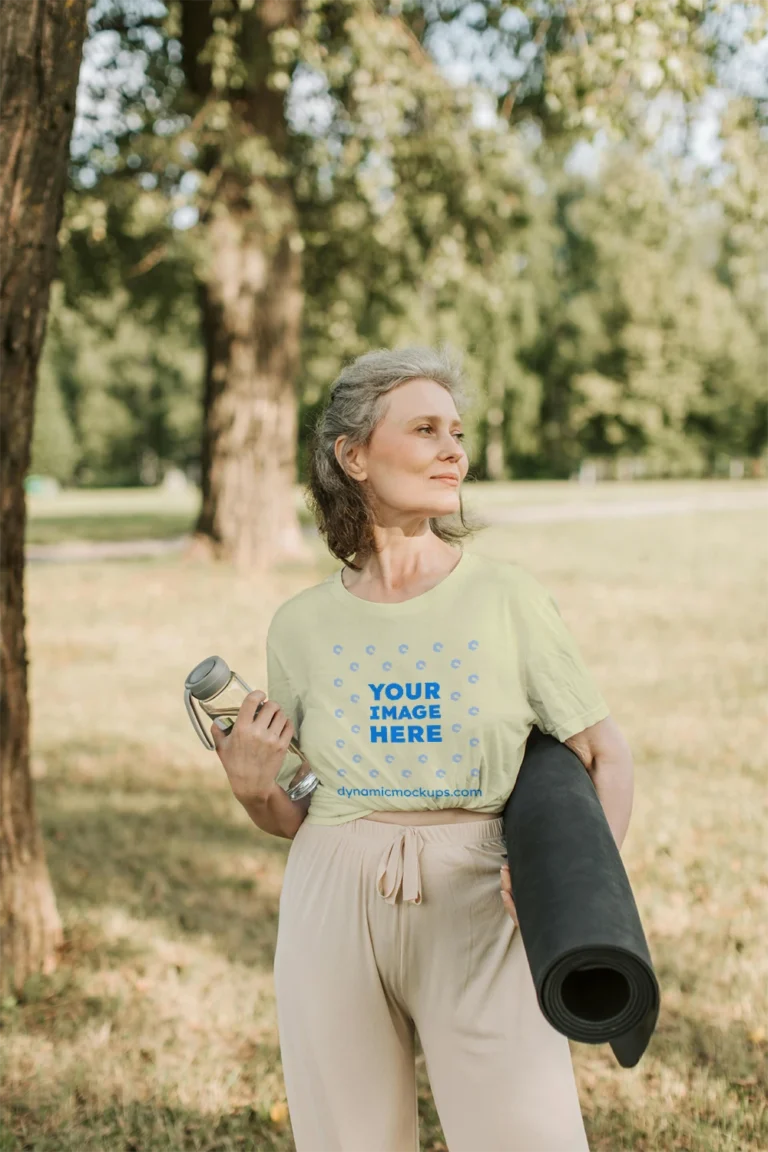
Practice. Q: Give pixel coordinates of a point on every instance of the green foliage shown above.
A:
(622, 314)
(125, 390)
(55, 450)
(655, 354)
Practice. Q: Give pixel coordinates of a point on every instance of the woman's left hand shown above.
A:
(506, 892)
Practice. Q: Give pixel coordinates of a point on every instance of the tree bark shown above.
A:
(251, 308)
(40, 49)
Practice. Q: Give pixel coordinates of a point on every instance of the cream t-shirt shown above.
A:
(426, 703)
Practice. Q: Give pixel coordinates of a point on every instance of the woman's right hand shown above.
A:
(253, 750)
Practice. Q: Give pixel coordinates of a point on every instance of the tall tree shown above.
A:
(40, 50)
(396, 123)
(250, 286)
(327, 123)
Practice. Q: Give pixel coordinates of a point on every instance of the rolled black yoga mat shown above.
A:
(576, 913)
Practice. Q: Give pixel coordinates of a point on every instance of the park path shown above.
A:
(626, 509)
(524, 513)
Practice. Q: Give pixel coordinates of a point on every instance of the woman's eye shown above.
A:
(426, 427)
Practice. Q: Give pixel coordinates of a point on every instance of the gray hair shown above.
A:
(356, 405)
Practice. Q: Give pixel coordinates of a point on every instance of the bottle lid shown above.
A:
(208, 678)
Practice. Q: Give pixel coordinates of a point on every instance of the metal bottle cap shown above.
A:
(207, 678)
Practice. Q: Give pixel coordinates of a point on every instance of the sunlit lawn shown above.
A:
(158, 1032)
(154, 513)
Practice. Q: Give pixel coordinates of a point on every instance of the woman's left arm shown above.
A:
(607, 757)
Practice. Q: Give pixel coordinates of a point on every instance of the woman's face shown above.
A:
(419, 437)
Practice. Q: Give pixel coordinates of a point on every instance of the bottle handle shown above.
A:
(204, 737)
(303, 787)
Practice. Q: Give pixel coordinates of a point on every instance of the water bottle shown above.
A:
(214, 692)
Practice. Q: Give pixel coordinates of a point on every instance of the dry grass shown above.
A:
(158, 1031)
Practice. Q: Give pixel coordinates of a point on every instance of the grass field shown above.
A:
(153, 513)
(158, 1032)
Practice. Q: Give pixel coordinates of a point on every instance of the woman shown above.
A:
(412, 678)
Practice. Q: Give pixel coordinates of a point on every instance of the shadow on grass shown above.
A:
(161, 844)
(113, 526)
(100, 529)
(164, 843)
(685, 1041)
(155, 1127)
(151, 1126)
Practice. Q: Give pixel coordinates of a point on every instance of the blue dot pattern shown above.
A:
(409, 713)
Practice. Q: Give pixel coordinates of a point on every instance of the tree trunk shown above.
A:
(251, 311)
(40, 49)
(251, 306)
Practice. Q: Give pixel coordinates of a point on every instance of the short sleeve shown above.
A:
(280, 689)
(560, 688)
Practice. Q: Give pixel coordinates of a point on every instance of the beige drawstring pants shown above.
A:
(386, 929)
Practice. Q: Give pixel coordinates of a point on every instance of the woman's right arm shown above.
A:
(276, 813)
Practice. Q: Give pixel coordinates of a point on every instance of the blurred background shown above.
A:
(574, 194)
(254, 192)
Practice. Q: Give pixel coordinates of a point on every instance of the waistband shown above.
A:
(398, 869)
(464, 832)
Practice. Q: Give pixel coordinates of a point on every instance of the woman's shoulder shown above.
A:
(512, 575)
(302, 606)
